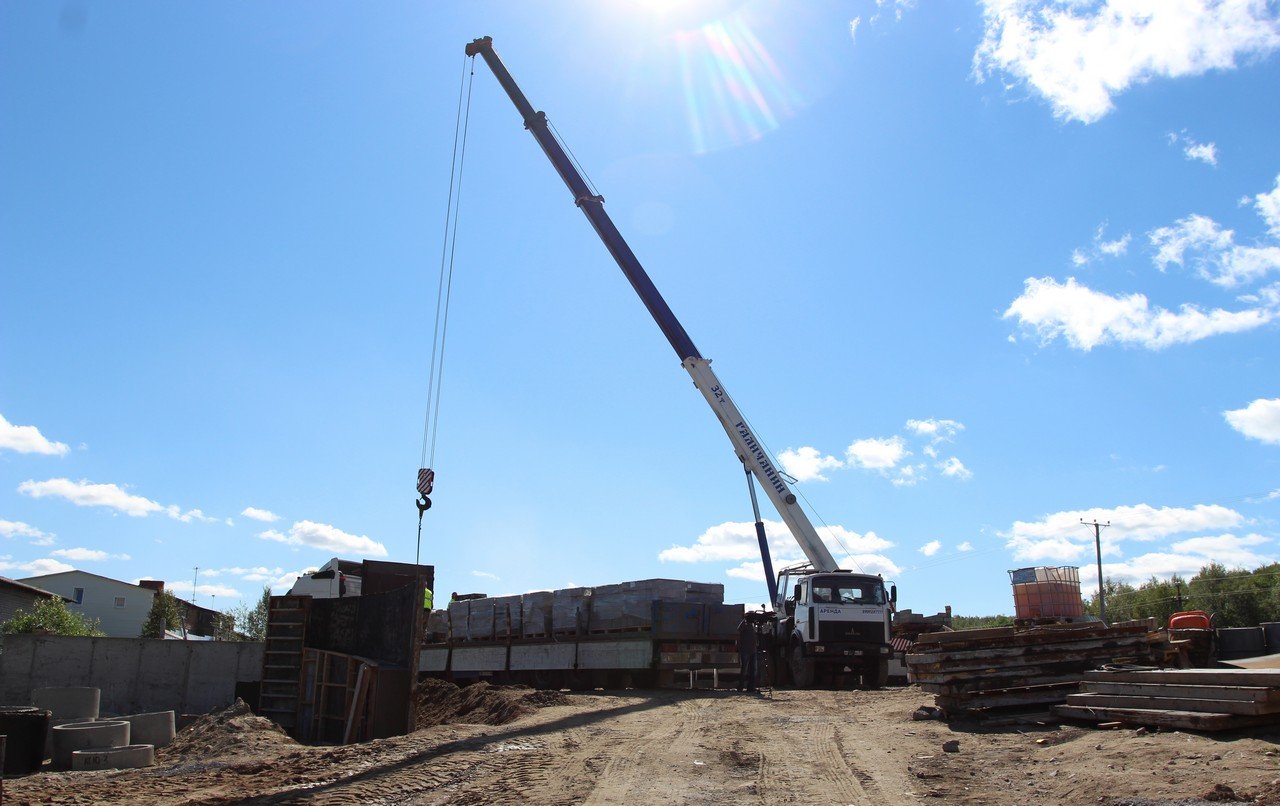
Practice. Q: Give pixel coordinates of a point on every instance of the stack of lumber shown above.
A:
(1188, 699)
(993, 671)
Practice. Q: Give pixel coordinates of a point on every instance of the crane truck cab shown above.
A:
(833, 620)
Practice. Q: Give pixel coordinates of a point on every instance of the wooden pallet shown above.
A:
(1190, 699)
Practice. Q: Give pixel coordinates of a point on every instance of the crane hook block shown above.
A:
(426, 480)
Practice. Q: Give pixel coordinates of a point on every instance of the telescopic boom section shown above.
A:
(735, 425)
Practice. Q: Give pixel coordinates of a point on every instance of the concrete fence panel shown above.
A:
(136, 675)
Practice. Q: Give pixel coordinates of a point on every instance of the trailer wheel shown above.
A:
(802, 668)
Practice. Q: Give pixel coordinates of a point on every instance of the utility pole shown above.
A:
(1097, 544)
(196, 578)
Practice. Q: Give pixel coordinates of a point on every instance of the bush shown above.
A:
(51, 617)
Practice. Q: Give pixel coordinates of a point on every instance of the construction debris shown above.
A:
(1186, 699)
(996, 671)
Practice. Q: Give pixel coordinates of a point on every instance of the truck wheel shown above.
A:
(876, 674)
(802, 668)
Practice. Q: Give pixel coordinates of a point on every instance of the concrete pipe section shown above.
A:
(80, 702)
(115, 758)
(155, 729)
(86, 736)
(53, 723)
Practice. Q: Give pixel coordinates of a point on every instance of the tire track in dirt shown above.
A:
(640, 771)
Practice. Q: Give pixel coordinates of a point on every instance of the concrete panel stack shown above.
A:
(536, 610)
(485, 619)
(704, 592)
(569, 609)
(438, 625)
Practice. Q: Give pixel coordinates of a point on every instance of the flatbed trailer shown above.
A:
(640, 657)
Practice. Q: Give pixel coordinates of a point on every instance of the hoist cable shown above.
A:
(453, 246)
(444, 248)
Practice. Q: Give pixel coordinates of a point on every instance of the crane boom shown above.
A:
(748, 447)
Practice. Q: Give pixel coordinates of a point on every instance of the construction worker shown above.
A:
(426, 599)
(746, 655)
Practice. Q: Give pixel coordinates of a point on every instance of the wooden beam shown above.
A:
(1183, 720)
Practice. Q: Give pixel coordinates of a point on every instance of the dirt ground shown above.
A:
(847, 747)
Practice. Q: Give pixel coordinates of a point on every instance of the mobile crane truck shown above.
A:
(827, 619)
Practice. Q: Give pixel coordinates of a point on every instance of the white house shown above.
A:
(120, 608)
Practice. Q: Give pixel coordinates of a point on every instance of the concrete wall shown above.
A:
(136, 675)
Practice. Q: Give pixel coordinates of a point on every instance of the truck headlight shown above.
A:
(819, 648)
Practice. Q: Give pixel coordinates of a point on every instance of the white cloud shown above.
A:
(87, 494)
(1115, 248)
(965, 546)
(931, 548)
(1213, 251)
(20, 529)
(908, 476)
(853, 27)
(1268, 206)
(954, 468)
(1204, 152)
(1085, 318)
(28, 439)
(87, 555)
(807, 464)
(877, 454)
(264, 515)
(486, 575)
(37, 568)
(1184, 558)
(203, 590)
(190, 515)
(1080, 54)
(935, 430)
(1061, 537)
(735, 541)
(329, 538)
(1259, 420)
(1078, 258)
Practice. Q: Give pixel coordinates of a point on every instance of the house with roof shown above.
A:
(119, 607)
(15, 596)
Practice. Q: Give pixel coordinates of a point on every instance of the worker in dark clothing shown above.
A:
(746, 655)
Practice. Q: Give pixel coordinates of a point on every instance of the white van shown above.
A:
(336, 578)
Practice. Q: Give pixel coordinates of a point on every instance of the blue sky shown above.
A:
(975, 271)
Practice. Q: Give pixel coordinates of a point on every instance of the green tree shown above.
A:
(252, 621)
(51, 617)
(164, 615)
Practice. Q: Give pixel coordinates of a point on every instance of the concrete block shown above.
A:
(72, 702)
(114, 758)
(156, 729)
(86, 736)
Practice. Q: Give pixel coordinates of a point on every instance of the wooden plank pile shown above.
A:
(1187, 699)
(996, 671)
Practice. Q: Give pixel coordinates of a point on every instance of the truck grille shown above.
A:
(869, 632)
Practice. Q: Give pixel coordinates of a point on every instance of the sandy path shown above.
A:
(817, 747)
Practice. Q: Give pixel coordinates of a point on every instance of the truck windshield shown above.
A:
(843, 591)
